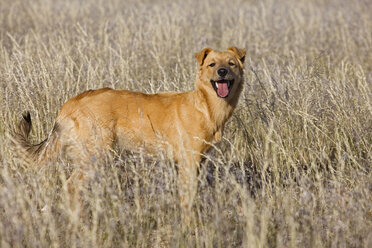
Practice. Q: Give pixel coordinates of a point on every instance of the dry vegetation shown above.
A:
(294, 169)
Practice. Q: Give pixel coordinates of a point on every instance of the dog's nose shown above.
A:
(222, 72)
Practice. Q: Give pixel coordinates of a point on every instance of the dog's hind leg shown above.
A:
(84, 171)
(86, 153)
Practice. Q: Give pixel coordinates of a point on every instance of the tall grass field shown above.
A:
(294, 168)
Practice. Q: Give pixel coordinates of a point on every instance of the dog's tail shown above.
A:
(45, 150)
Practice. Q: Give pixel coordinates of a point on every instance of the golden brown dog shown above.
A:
(182, 124)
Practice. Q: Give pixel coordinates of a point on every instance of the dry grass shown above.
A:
(294, 169)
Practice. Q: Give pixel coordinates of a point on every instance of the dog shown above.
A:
(182, 124)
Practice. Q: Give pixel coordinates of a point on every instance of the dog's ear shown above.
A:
(200, 56)
(240, 53)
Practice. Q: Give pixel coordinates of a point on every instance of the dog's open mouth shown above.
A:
(222, 87)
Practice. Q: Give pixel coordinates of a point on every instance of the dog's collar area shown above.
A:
(222, 87)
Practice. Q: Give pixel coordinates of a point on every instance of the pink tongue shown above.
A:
(222, 90)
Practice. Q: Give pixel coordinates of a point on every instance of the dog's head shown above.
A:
(221, 72)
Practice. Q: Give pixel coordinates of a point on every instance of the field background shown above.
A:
(293, 170)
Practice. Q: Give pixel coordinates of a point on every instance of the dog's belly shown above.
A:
(142, 139)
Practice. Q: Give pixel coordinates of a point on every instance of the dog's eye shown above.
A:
(212, 64)
(231, 64)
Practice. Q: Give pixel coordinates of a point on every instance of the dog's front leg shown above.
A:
(187, 184)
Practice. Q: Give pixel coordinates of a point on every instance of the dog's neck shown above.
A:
(218, 109)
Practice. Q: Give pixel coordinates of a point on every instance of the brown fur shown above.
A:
(182, 124)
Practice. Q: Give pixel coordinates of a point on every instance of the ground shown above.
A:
(293, 168)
